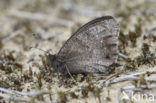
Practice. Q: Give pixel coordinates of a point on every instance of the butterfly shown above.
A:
(92, 48)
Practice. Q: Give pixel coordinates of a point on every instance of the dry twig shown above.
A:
(31, 94)
(18, 32)
(126, 78)
(12, 98)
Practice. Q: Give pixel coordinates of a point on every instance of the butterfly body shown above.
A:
(93, 48)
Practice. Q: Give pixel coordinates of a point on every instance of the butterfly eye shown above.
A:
(107, 56)
(57, 66)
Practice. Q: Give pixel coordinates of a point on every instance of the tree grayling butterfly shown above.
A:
(92, 48)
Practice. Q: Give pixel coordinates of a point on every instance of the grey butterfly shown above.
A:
(92, 48)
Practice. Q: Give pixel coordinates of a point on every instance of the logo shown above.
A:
(137, 96)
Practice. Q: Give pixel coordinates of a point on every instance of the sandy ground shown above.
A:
(47, 24)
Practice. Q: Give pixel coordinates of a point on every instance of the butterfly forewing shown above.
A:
(93, 48)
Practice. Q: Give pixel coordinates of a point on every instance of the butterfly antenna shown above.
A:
(40, 49)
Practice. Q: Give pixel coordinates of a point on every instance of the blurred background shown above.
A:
(59, 19)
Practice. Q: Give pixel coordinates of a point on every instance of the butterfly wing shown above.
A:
(93, 48)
